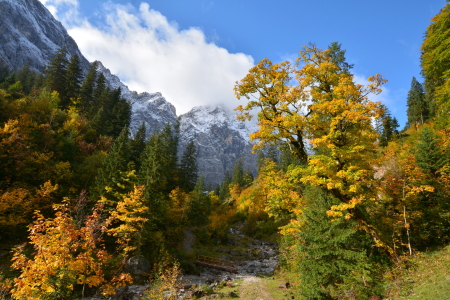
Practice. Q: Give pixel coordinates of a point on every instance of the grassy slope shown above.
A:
(427, 278)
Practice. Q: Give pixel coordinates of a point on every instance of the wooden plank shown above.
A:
(217, 263)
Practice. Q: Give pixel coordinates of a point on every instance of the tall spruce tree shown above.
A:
(55, 74)
(225, 187)
(4, 72)
(388, 130)
(338, 57)
(417, 111)
(154, 177)
(200, 203)
(188, 168)
(87, 89)
(74, 76)
(429, 155)
(100, 87)
(336, 258)
(119, 114)
(137, 146)
(237, 176)
(433, 224)
(27, 77)
(114, 178)
(170, 139)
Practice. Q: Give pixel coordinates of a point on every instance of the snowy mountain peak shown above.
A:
(220, 141)
(204, 117)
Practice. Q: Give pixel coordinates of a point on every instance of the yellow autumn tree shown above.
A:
(325, 118)
(130, 214)
(65, 256)
(17, 205)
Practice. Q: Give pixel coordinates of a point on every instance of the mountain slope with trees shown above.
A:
(352, 201)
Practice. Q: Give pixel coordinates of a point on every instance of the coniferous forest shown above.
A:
(352, 199)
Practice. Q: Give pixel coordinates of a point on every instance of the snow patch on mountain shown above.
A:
(203, 117)
(220, 141)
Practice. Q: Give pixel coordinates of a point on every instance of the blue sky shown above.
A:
(193, 51)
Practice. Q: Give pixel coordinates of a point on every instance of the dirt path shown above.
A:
(189, 239)
(253, 288)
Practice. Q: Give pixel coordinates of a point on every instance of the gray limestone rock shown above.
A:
(220, 141)
(30, 33)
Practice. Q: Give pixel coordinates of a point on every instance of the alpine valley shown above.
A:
(30, 34)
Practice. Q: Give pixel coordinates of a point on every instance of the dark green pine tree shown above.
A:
(113, 179)
(100, 87)
(237, 176)
(388, 128)
(38, 82)
(74, 76)
(151, 174)
(119, 114)
(429, 156)
(200, 206)
(4, 72)
(217, 190)
(154, 177)
(55, 75)
(9, 80)
(111, 110)
(170, 137)
(225, 187)
(336, 259)
(434, 226)
(188, 168)
(338, 57)
(87, 90)
(417, 111)
(137, 146)
(27, 77)
(97, 125)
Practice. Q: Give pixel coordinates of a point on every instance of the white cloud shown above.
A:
(151, 54)
(70, 7)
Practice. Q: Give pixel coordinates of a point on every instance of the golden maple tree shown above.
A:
(326, 120)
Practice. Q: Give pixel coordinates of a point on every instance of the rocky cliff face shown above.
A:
(30, 33)
(220, 141)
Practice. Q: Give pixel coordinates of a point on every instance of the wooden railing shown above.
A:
(217, 263)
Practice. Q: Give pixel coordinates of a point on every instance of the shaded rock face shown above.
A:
(220, 141)
(139, 268)
(30, 33)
